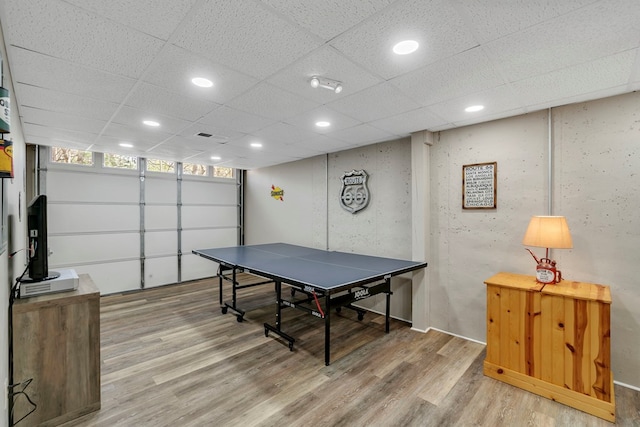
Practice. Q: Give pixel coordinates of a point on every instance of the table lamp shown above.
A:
(550, 232)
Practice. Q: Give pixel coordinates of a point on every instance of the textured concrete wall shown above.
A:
(384, 227)
(469, 246)
(595, 184)
(597, 187)
(310, 213)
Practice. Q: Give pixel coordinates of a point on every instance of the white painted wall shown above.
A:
(300, 218)
(310, 213)
(10, 268)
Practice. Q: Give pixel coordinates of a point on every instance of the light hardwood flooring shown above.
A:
(171, 358)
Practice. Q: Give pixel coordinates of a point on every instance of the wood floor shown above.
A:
(171, 358)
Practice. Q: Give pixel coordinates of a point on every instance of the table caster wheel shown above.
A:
(239, 319)
(266, 332)
(360, 316)
(338, 309)
(224, 310)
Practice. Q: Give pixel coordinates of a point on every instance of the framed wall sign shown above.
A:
(479, 186)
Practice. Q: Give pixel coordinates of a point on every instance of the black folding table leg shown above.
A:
(327, 330)
(387, 314)
(278, 328)
(220, 281)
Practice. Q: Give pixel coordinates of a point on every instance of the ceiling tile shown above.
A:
(375, 103)
(271, 102)
(410, 121)
(496, 101)
(64, 31)
(157, 100)
(240, 121)
(87, 72)
(247, 38)
(58, 136)
(49, 140)
(435, 25)
(281, 133)
(308, 120)
(158, 18)
(65, 103)
(133, 117)
(328, 63)
(63, 76)
(328, 18)
(218, 134)
(174, 68)
(136, 135)
(567, 40)
(364, 133)
(601, 74)
(470, 71)
(498, 18)
(61, 121)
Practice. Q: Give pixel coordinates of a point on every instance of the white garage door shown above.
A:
(130, 229)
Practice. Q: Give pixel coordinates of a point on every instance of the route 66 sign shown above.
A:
(354, 195)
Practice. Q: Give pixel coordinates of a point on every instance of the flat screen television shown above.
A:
(38, 244)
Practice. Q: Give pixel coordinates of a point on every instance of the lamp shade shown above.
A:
(548, 232)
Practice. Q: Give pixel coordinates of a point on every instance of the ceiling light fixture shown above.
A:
(151, 123)
(216, 158)
(202, 82)
(406, 47)
(126, 145)
(474, 108)
(326, 83)
(323, 124)
(256, 145)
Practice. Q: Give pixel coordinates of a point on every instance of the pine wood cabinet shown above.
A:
(56, 342)
(552, 340)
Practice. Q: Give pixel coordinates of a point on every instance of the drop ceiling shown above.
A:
(86, 73)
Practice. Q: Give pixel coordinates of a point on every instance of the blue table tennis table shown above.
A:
(326, 279)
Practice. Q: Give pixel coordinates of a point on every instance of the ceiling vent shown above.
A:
(204, 134)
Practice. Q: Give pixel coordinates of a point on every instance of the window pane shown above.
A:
(195, 169)
(155, 165)
(222, 172)
(119, 161)
(71, 156)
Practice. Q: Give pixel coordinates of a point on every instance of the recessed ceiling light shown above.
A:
(323, 124)
(126, 145)
(216, 158)
(256, 145)
(474, 108)
(406, 47)
(151, 123)
(202, 82)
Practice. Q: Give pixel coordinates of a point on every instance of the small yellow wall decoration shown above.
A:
(277, 193)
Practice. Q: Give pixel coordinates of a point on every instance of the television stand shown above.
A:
(56, 343)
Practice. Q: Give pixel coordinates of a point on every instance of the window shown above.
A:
(71, 156)
(222, 172)
(195, 169)
(155, 165)
(119, 161)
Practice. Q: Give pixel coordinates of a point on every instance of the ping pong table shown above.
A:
(336, 278)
